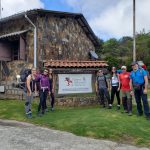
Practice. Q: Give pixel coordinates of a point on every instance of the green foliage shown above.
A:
(93, 122)
(120, 52)
(112, 61)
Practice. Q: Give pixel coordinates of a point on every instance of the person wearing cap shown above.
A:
(115, 87)
(125, 89)
(101, 87)
(139, 85)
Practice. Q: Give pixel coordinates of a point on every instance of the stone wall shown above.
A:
(62, 38)
(65, 101)
(15, 67)
(76, 101)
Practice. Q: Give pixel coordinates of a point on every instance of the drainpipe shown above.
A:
(35, 38)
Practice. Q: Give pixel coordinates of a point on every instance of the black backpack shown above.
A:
(23, 77)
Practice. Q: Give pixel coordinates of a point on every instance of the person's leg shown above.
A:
(27, 104)
(52, 101)
(145, 104)
(44, 101)
(101, 95)
(41, 100)
(137, 94)
(118, 97)
(30, 101)
(124, 101)
(113, 91)
(106, 93)
(129, 103)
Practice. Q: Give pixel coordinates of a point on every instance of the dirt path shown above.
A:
(23, 136)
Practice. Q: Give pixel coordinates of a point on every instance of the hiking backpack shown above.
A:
(23, 77)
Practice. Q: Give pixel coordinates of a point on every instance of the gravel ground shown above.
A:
(23, 136)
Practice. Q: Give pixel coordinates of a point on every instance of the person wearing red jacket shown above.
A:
(125, 89)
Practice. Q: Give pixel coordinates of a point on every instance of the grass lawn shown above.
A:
(95, 122)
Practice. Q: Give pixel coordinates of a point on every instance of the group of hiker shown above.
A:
(134, 83)
(41, 84)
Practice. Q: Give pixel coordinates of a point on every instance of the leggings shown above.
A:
(114, 91)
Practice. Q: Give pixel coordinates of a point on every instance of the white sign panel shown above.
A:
(2, 89)
(74, 83)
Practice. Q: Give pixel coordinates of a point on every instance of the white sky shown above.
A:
(14, 6)
(113, 18)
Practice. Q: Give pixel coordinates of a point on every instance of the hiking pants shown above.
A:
(138, 96)
(43, 96)
(114, 91)
(28, 101)
(104, 92)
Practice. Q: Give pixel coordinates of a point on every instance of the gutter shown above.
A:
(35, 40)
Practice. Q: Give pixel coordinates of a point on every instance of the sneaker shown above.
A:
(46, 110)
(29, 112)
(29, 116)
(110, 106)
(130, 114)
(52, 108)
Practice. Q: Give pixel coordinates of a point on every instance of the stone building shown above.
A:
(60, 36)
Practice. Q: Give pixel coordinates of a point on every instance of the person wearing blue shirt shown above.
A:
(139, 84)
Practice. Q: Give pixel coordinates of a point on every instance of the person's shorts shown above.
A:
(126, 94)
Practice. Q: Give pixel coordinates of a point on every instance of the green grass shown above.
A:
(92, 122)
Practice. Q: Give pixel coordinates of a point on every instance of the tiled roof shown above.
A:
(72, 64)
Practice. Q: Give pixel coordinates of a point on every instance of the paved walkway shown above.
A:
(23, 136)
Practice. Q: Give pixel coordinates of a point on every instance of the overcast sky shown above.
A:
(107, 18)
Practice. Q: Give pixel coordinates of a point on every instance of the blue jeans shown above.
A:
(138, 96)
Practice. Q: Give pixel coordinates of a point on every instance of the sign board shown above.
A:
(2, 89)
(75, 83)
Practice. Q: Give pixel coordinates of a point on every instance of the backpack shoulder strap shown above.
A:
(106, 81)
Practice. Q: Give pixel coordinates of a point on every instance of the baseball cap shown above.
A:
(133, 63)
(123, 67)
